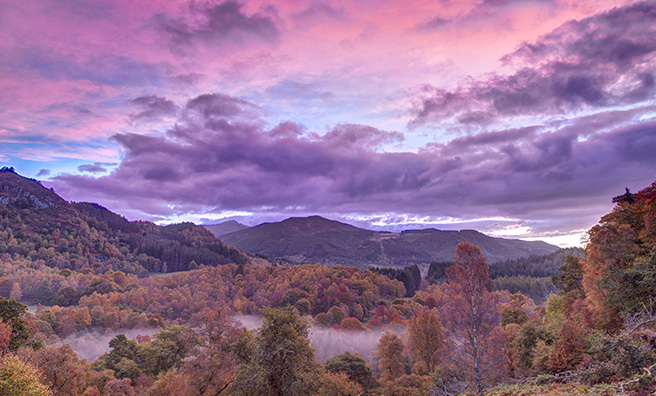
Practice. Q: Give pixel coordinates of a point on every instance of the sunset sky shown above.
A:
(517, 118)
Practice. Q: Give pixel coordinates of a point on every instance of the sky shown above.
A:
(518, 118)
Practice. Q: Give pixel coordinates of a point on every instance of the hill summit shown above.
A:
(317, 239)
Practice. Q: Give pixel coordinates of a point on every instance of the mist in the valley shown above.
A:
(330, 342)
(325, 341)
(93, 344)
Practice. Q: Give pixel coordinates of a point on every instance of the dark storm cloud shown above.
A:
(221, 155)
(602, 61)
(153, 107)
(212, 23)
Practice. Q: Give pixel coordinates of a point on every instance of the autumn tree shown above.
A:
(618, 272)
(569, 349)
(119, 387)
(18, 378)
(473, 313)
(509, 334)
(169, 383)
(5, 337)
(390, 354)
(62, 370)
(513, 311)
(213, 364)
(338, 384)
(426, 340)
(409, 385)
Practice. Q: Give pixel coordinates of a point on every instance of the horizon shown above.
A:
(517, 119)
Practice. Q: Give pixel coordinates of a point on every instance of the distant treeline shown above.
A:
(530, 276)
(410, 277)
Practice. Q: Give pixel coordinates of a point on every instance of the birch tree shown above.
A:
(473, 315)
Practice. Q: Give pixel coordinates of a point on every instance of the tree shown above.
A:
(513, 311)
(569, 279)
(169, 384)
(167, 350)
(283, 363)
(473, 313)
(409, 385)
(119, 387)
(338, 384)
(390, 353)
(568, 350)
(121, 348)
(62, 370)
(5, 337)
(426, 340)
(18, 378)
(213, 363)
(12, 312)
(352, 365)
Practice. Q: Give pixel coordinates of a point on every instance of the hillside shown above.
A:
(38, 226)
(225, 228)
(316, 239)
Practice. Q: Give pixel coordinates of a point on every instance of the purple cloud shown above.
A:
(153, 107)
(318, 13)
(215, 23)
(598, 62)
(43, 172)
(432, 24)
(221, 155)
(95, 168)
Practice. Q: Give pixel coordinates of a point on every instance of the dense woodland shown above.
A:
(530, 276)
(86, 269)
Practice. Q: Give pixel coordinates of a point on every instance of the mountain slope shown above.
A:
(316, 239)
(38, 225)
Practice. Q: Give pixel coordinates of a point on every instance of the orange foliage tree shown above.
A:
(473, 310)
(426, 340)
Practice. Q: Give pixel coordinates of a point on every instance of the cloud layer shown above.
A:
(602, 61)
(221, 156)
(518, 118)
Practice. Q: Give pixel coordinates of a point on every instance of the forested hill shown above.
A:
(316, 239)
(38, 226)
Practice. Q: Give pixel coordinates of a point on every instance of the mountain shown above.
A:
(38, 226)
(225, 228)
(316, 239)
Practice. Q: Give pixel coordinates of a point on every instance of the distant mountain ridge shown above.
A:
(225, 228)
(317, 239)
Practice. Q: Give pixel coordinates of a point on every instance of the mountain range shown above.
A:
(87, 235)
(317, 239)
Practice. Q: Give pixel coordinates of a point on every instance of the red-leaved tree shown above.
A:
(472, 313)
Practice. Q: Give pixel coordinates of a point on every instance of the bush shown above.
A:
(616, 357)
